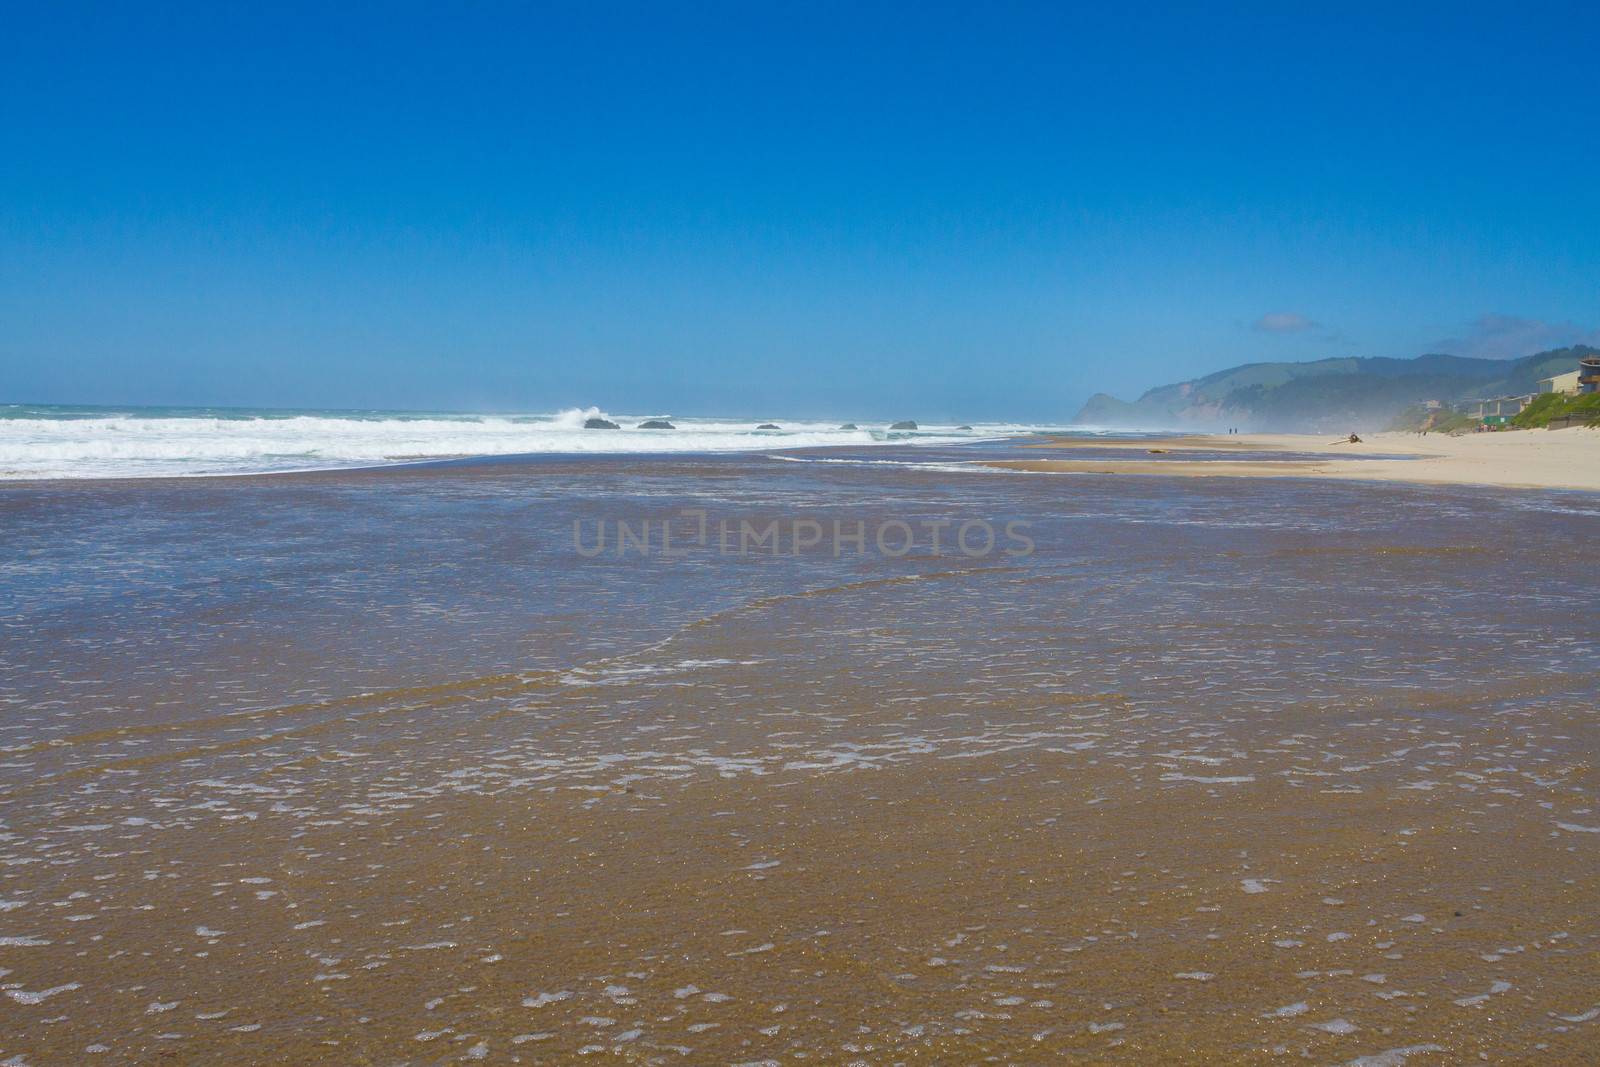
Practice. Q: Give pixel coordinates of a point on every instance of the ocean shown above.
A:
(49, 441)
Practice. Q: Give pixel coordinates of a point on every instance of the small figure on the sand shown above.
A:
(1354, 439)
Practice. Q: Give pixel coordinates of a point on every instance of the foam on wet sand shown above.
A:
(1295, 769)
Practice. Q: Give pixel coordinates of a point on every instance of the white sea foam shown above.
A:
(67, 443)
(1393, 1057)
(1336, 1026)
(23, 996)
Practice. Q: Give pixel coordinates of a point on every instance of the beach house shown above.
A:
(1589, 374)
(1566, 384)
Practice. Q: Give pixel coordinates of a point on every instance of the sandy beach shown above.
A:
(1527, 459)
(1223, 771)
(675, 535)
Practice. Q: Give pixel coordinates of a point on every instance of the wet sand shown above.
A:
(1226, 771)
(1529, 459)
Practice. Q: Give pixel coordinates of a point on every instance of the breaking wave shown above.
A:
(46, 442)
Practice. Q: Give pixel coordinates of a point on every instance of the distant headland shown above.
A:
(1337, 395)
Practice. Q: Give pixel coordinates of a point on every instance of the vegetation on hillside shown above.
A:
(1437, 420)
(1554, 405)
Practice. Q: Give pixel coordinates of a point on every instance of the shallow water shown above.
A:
(311, 768)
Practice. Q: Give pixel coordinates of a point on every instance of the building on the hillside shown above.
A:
(1566, 384)
(1432, 405)
(1589, 374)
(1498, 407)
(1498, 410)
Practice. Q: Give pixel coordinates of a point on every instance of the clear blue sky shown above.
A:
(982, 212)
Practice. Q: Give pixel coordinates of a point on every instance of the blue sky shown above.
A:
(987, 211)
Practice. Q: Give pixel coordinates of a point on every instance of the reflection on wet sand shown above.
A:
(1219, 773)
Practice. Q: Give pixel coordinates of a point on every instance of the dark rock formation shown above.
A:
(600, 424)
(656, 424)
(906, 425)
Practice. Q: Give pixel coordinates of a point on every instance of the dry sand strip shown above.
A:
(1525, 459)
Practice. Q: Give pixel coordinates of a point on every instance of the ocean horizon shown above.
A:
(57, 441)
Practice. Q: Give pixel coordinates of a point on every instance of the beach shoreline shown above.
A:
(1525, 459)
(378, 765)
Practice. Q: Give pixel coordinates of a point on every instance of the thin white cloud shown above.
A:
(1283, 322)
(1495, 336)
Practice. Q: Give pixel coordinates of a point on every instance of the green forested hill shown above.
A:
(1328, 394)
